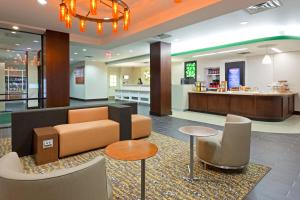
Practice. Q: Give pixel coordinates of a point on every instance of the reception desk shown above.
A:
(259, 106)
(134, 93)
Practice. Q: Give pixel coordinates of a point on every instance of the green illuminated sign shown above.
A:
(190, 70)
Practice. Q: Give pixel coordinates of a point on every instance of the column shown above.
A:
(160, 78)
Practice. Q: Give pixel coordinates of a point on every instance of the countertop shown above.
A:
(247, 93)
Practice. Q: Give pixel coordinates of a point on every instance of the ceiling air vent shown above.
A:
(89, 56)
(244, 53)
(162, 36)
(271, 4)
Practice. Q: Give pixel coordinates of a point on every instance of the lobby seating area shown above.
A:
(150, 100)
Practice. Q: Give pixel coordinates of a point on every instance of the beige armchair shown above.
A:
(87, 181)
(229, 149)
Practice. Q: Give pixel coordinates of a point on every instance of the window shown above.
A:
(113, 80)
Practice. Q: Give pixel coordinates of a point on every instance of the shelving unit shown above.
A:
(212, 78)
(15, 81)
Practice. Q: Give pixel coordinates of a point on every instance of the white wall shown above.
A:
(76, 90)
(286, 66)
(95, 83)
(177, 72)
(96, 80)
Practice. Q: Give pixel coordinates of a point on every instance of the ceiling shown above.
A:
(149, 18)
(237, 52)
(221, 30)
(190, 24)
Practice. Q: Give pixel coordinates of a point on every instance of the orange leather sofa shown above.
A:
(87, 129)
(141, 126)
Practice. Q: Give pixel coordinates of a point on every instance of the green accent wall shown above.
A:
(283, 37)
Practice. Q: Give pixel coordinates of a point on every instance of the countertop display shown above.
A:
(248, 93)
(269, 106)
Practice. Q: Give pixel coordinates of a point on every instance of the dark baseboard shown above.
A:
(86, 100)
(160, 114)
(296, 112)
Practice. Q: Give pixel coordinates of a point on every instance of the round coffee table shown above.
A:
(198, 131)
(133, 150)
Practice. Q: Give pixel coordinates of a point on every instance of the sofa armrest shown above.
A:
(122, 115)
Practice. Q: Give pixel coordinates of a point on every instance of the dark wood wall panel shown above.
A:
(57, 68)
(160, 79)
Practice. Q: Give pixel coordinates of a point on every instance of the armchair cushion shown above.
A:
(87, 114)
(141, 126)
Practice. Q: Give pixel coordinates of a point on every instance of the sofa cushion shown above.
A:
(87, 114)
(80, 137)
(141, 126)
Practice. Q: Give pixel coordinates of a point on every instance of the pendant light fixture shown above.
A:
(115, 9)
(267, 60)
(62, 12)
(72, 5)
(99, 27)
(115, 26)
(126, 19)
(93, 7)
(82, 25)
(119, 9)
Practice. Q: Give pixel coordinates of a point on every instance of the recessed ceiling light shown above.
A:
(244, 23)
(42, 2)
(28, 48)
(276, 50)
(15, 27)
(75, 53)
(35, 41)
(8, 50)
(106, 18)
(13, 32)
(84, 50)
(130, 50)
(17, 44)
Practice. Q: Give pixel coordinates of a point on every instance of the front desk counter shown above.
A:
(259, 106)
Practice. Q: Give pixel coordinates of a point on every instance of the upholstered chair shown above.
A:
(87, 181)
(229, 149)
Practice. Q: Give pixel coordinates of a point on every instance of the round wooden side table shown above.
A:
(133, 150)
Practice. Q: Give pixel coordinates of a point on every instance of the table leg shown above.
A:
(191, 177)
(143, 166)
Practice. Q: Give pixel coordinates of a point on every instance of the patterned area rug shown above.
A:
(164, 173)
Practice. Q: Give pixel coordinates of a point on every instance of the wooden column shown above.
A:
(57, 68)
(160, 80)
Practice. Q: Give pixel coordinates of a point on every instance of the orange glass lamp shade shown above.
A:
(72, 6)
(115, 26)
(62, 12)
(126, 19)
(68, 21)
(99, 27)
(82, 25)
(115, 9)
(93, 7)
